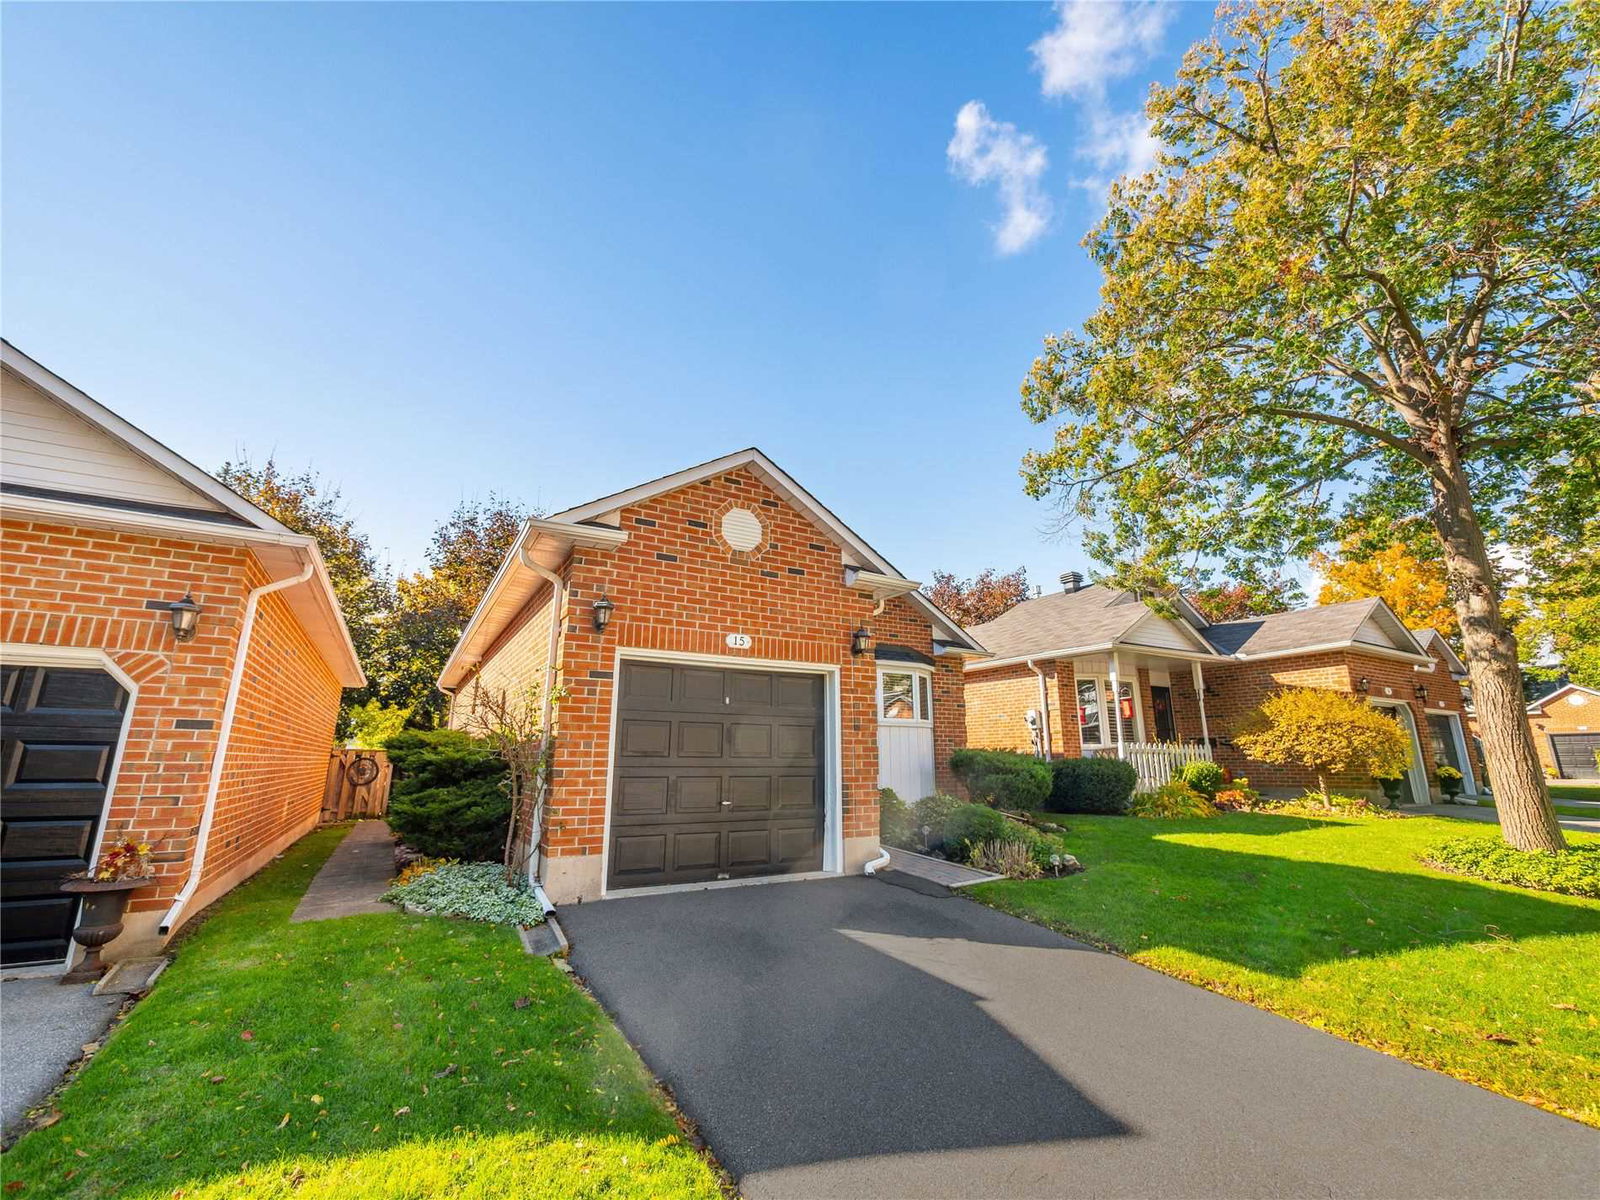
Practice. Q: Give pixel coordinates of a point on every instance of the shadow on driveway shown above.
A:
(851, 1038)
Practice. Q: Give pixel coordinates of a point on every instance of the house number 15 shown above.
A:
(738, 641)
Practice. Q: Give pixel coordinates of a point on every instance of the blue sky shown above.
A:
(435, 251)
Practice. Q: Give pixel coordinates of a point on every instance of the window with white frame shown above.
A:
(904, 695)
(1094, 718)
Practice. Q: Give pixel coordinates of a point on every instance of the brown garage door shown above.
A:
(1575, 754)
(60, 748)
(718, 775)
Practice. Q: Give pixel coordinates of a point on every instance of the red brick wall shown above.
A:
(1574, 712)
(65, 586)
(513, 663)
(678, 588)
(276, 768)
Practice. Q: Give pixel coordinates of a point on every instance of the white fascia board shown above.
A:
(304, 546)
(1559, 692)
(560, 538)
(140, 442)
(1358, 647)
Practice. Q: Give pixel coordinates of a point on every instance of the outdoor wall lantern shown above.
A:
(185, 615)
(602, 613)
(860, 641)
(1422, 691)
(1363, 685)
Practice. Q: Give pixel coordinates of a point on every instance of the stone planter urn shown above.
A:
(1391, 792)
(104, 902)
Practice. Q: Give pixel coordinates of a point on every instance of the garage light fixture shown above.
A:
(185, 615)
(1363, 685)
(860, 641)
(1422, 691)
(602, 613)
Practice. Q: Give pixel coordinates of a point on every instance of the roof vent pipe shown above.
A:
(1071, 581)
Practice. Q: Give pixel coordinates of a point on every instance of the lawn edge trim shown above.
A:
(1245, 995)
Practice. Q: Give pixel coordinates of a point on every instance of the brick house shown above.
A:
(738, 672)
(1566, 731)
(1096, 671)
(213, 746)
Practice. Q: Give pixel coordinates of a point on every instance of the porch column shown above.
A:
(1116, 703)
(1200, 695)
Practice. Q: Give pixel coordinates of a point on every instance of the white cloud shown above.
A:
(984, 150)
(1096, 41)
(1116, 143)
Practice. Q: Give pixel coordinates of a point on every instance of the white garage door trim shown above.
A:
(832, 757)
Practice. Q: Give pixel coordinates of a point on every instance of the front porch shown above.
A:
(1146, 709)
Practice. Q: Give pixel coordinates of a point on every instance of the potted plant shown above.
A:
(122, 870)
(1449, 783)
(1392, 790)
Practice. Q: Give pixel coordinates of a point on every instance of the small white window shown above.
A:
(904, 695)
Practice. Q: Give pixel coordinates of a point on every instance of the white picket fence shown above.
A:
(1158, 762)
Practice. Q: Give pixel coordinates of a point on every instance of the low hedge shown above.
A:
(1205, 777)
(1174, 798)
(1574, 872)
(1091, 785)
(895, 820)
(448, 798)
(1003, 778)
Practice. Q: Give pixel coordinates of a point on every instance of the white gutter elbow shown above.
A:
(224, 736)
(1044, 712)
(873, 867)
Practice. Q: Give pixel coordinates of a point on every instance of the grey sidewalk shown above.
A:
(1486, 815)
(353, 878)
(44, 1026)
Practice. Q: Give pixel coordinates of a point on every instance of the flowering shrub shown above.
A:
(1573, 872)
(418, 867)
(1239, 797)
(477, 891)
(124, 860)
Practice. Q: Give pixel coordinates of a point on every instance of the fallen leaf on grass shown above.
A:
(49, 1119)
(400, 1112)
(218, 1078)
(1500, 1038)
(1566, 1007)
(248, 1035)
(283, 1122)
(316, 1099)
(450, 1070)
(521, 1002)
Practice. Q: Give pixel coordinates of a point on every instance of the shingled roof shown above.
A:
(1322, 625)
(1091, 616)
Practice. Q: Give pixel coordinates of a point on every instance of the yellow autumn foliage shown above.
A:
(1415, 588)
(1328, 733)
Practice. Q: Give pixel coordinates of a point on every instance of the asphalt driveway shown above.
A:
(852, 1038)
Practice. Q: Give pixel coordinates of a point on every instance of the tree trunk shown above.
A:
(1522, 799)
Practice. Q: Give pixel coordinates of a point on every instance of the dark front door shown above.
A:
(61, 726)
(1161, 710)
(718, 775)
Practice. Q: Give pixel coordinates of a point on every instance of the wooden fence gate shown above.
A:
(358, 785)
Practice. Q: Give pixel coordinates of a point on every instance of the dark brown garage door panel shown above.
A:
(718, 774)
(1574, 754)
(58, 756)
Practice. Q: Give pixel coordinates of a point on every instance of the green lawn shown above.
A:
(1334, 923)
(382, 1055)
(1567, 790)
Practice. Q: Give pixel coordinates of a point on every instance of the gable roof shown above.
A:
(1368, 622)
(1097, 617)
(1544, 701)
(808, 505)
(219, 516)
(1093, 616)
(515, 583)
(1429, 637)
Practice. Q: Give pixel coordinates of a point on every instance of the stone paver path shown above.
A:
(935, 870)
(354, 876)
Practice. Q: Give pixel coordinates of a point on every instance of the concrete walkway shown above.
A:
(1473, 812)
(845, 1038)
(45, 1026)
(353, 878)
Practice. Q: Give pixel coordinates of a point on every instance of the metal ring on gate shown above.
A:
(362, 770)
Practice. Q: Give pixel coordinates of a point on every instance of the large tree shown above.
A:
(1362, 273)
(310, 504)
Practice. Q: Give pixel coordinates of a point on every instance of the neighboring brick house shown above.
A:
(1092, 670)
(1566, 731)
(213, 748)
(738, 673)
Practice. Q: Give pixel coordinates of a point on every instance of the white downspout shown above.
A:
(882, 860)
(219, 756)
(1044, 711)
(1200, 694)
(1116, 705)
(557, 598)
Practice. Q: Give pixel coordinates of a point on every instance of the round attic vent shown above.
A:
(741, 529)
